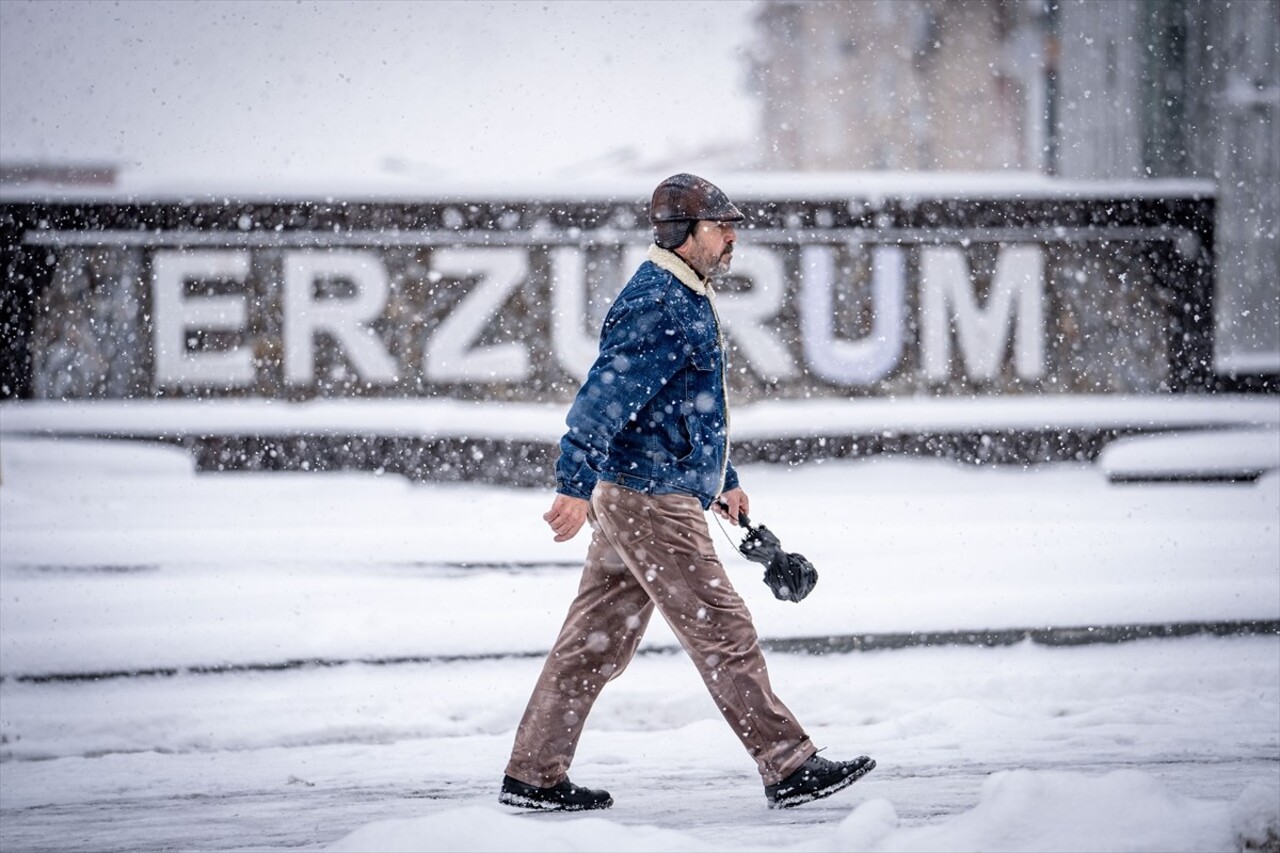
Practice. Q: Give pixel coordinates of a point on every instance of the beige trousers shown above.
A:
(652, 551)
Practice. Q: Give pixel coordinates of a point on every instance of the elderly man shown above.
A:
(645, 455)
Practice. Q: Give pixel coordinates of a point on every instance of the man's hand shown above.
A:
(566, 516)
(730, 504)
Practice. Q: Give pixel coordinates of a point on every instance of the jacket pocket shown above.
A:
(690, 438)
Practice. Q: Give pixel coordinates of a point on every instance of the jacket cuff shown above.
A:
(576, 488)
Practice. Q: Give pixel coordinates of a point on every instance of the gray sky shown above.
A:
(253, 89)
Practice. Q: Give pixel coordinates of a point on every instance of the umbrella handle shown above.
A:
(742, 516)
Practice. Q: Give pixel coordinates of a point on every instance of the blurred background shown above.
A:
(240, 91)
(1121, 124)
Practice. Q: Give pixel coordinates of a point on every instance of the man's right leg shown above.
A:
(600, 634)
(665, 541)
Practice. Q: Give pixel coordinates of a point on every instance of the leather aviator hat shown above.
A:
(682, 200)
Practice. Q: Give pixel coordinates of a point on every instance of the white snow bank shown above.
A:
(93, 461)
(417, 418)
(1025, 810)
(545, 421)
(1017, 811)
(1216, 453)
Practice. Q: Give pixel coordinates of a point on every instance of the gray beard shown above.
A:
(720, 268)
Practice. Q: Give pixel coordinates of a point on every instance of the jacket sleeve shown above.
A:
(730, 477)
(641, 348)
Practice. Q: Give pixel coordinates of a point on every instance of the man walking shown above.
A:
(645, 455)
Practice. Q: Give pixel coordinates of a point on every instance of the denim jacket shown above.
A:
(652, 415)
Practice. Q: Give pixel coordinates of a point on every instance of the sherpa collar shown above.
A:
(676, 265)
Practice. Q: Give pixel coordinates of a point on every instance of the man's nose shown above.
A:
(730, 234)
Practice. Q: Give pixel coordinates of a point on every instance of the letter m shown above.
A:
(1015, 302)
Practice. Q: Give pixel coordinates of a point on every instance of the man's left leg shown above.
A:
(599, 637)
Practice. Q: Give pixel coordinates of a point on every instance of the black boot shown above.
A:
(564, 797)
(816, 778)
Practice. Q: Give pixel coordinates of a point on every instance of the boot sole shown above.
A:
(800, 799)
(520, 802)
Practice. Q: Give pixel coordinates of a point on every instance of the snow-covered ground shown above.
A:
(430, 605)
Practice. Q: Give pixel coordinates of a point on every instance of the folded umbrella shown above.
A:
(790, 576)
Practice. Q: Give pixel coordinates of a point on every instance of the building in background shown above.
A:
(914, 85)
(1082, 89)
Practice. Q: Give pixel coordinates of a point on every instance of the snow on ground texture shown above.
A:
(1018, 811)
(119, 557)
(161, 567)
